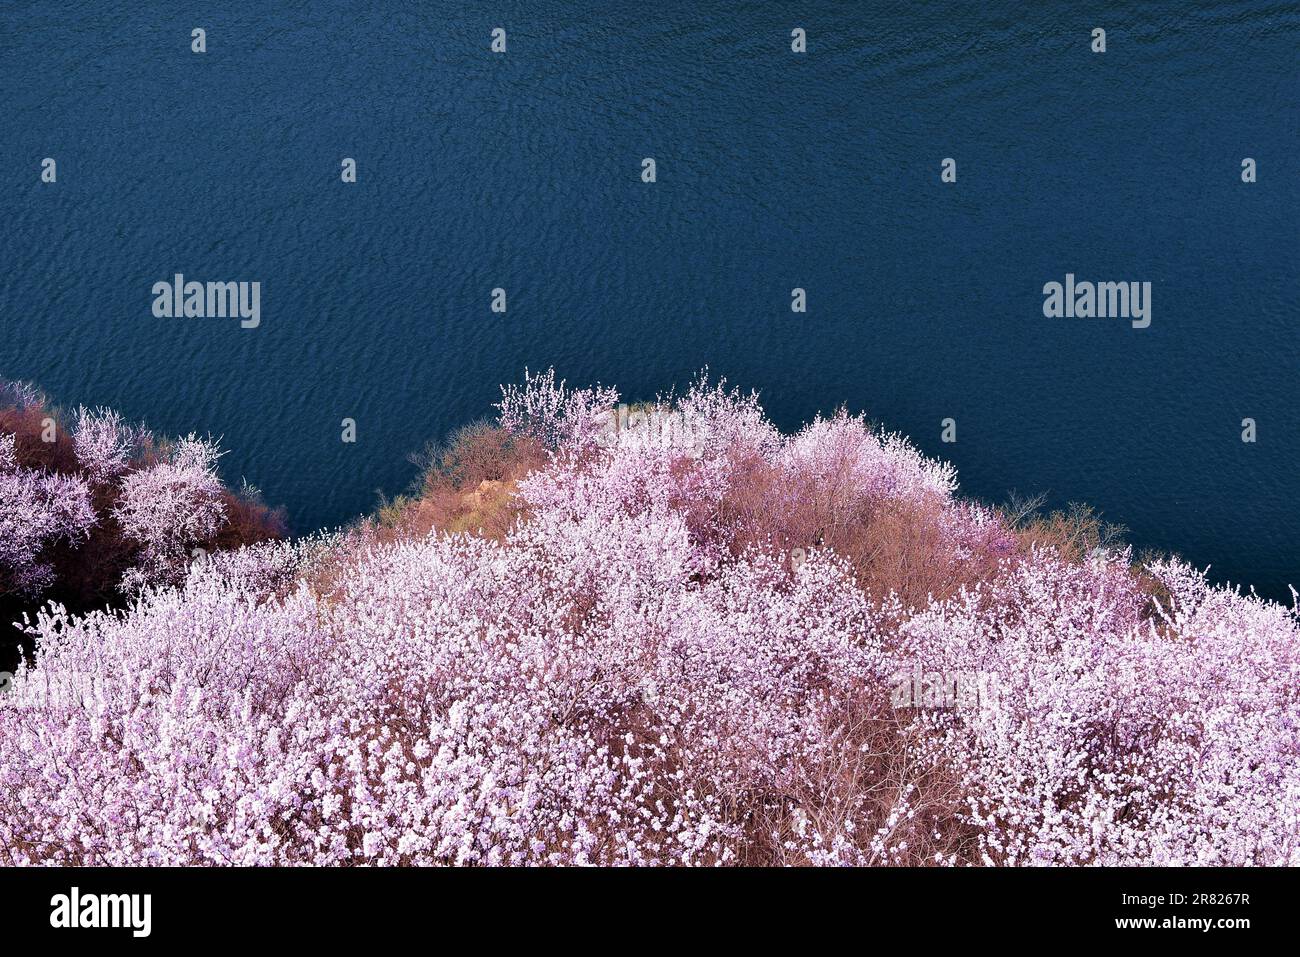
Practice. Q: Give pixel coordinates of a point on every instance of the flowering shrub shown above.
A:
(635, 671)
(104, 443)
(551, 413)
(36, 510)
(170, 507)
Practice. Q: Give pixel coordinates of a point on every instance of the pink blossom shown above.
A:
(37, 509)
(617, 681)
(170, 507)
(104, 443)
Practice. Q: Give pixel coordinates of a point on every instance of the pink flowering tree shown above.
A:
(104, 444)
(169, 508)
(37, 510)
(552, 413)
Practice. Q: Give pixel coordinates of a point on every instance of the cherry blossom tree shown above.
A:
(37, 510)
(104, 444)
(169, 508)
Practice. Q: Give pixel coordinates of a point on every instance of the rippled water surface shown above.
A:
(775, 170)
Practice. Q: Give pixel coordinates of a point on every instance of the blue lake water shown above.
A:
(775, 170)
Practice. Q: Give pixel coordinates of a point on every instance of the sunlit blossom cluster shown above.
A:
(169, 507)
(636, 674)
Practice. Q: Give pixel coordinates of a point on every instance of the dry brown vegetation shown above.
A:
(467, 486)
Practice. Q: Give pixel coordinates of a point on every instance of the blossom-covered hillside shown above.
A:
(669, 635)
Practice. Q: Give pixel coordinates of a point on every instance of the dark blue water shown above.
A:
(775, 170)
